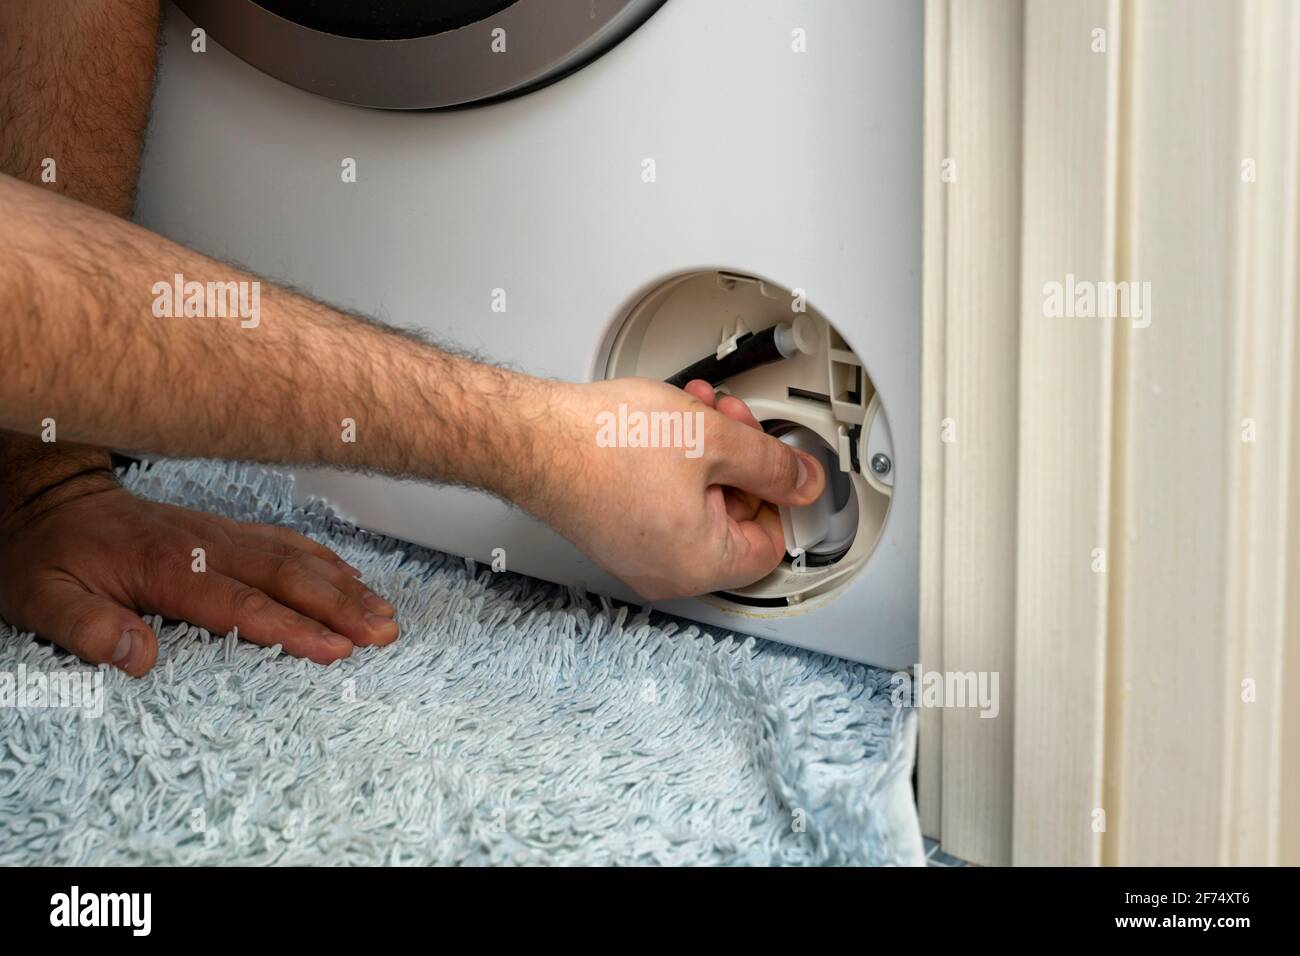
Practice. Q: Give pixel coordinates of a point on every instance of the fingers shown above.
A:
(766, 467)
(741, 505)
(277, 587)
(756, 464)
(316, 588)
(735, 409)
(729, 405)
(757, 547)
(94, 628)
(747, 475)
(699, 389)
(220, 604)
(270, 537)
(769, 520)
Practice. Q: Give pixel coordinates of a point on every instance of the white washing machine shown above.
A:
(591, 188)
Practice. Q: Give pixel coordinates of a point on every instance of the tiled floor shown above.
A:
(936, 857)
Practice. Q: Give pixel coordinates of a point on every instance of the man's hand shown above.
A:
(667, 524)
(79, 557)
(80, 563)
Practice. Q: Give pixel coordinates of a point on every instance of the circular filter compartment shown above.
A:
(819, 399)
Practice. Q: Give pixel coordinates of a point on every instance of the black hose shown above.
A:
(752, 350)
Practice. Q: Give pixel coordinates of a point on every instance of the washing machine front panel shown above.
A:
(530, 229)
(418, 54)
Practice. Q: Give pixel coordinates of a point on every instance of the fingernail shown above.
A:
(377, 604)
(130, 647)
(382, 626)
(125, 644)
(805, 478)
(337, 641)
(349, 568)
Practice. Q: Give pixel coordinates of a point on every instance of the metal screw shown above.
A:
(880, 463)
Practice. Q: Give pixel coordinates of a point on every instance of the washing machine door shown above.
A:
(418, 54)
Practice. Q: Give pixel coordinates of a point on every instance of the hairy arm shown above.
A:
(76, 78)
(76, 293)
(78, 290)
(306, 383)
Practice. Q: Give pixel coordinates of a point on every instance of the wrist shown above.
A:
(524, 438)
(35, 476)
(557, 479)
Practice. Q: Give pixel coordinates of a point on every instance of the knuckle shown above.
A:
(258, 530)
(250, 602)
(171, 553)
(345, 606)
(216, 531)
(84, 634)
(783, 466)
(295, 538)
(289, 536)
(314, 546)
(291, 572)
(167, 557)
(721, 445)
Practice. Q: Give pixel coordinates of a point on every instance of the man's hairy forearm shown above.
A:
(62, 125)
(307, 384)
(76, 78)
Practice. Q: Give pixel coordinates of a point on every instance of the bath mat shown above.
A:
(514, 722)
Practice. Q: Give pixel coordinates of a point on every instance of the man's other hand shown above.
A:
(79, 565)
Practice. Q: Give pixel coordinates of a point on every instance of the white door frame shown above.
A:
(1109, 504)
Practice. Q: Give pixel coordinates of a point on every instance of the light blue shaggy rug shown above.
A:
(513, 722)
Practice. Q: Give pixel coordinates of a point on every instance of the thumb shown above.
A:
(756, 462)
(96, 629)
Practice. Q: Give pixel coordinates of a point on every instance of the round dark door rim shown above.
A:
(544, 40)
